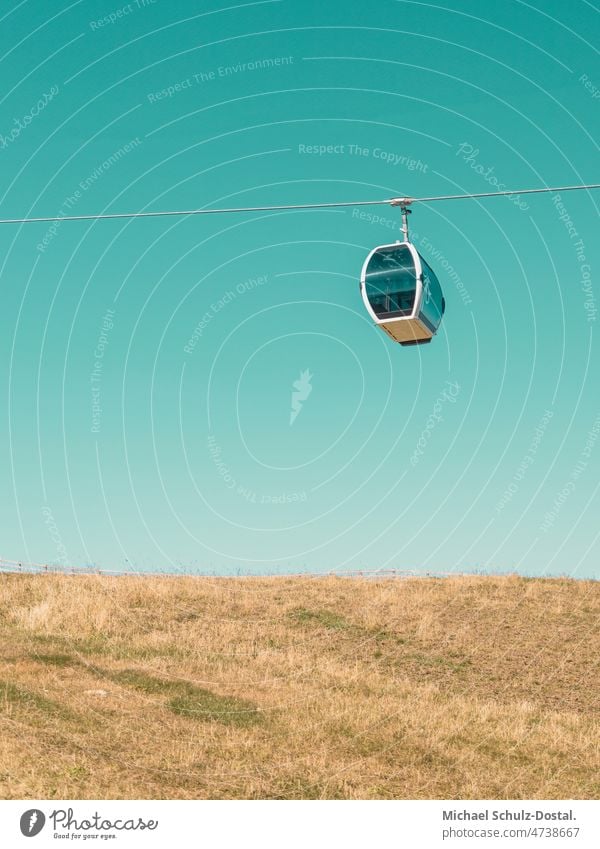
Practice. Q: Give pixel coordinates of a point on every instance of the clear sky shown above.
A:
(208, 392)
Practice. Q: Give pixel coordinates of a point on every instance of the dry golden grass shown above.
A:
(140, 687)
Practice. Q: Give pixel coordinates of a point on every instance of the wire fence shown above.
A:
(25, 568)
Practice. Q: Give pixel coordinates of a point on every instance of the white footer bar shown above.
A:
(300, 824)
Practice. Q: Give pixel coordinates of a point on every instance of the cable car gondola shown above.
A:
(401, 292)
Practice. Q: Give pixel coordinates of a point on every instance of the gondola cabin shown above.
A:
(402, 294)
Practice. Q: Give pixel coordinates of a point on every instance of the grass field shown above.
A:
(140, 687)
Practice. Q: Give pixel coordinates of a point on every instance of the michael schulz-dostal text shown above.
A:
(522, 815)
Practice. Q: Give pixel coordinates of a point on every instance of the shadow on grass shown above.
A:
(99, 645)
(61, 660)
(186, 699)
(16, 697)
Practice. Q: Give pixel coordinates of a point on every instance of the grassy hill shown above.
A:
(153, 687)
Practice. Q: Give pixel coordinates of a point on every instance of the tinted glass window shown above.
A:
(432, 301)
(390, 282)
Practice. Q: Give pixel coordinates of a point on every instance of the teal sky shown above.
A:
(147, 367)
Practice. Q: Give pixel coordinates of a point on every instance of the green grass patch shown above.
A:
(437, 660)
(186, 699)
(321, 617)
(62, 660)
(99, 645)
(147, 683)
(382, 635)
(206, 706)
(95, 644)
(17, 697)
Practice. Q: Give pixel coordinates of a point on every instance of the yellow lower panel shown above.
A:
(406, 330)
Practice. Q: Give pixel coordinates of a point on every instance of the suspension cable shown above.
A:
(397, 201)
